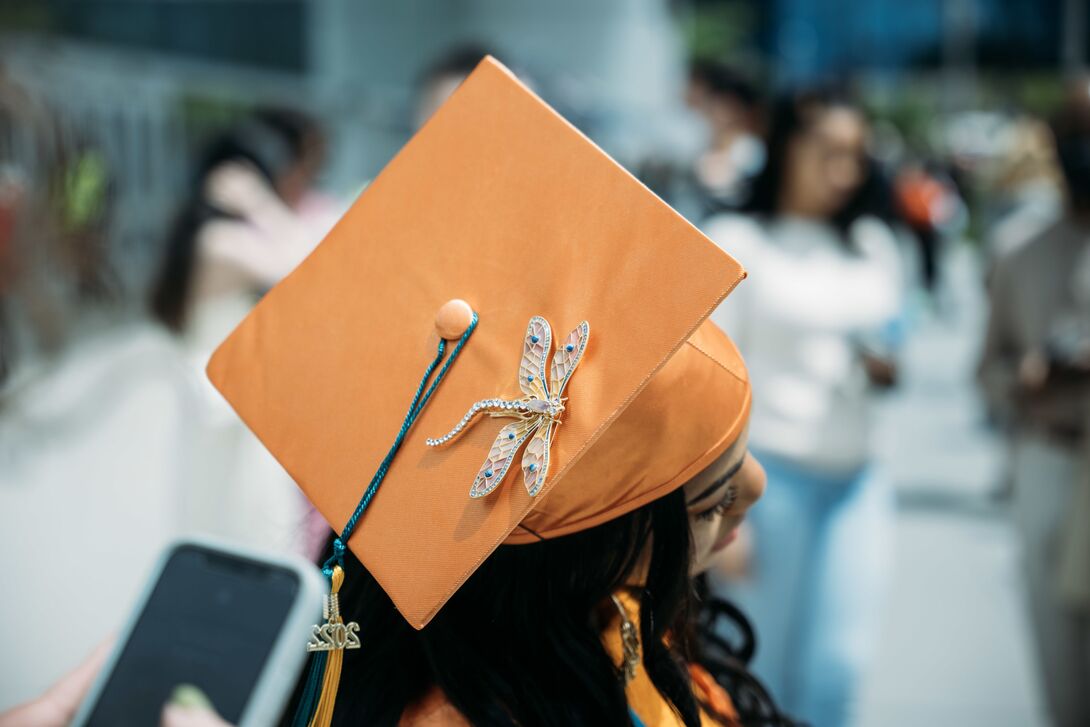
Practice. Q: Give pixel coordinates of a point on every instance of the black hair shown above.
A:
(459, 60)
(520, 642)
(791, 114)
(723, 81)
(1071, 129)
(726, 643)
(260, 145)
(300, 130)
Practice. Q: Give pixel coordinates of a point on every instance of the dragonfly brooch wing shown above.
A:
(535, 458)
(502, 455)
(535, 351)
(569, 353)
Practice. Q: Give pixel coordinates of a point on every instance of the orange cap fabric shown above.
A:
(499, 202)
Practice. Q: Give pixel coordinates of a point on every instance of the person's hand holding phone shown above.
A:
(57, 707)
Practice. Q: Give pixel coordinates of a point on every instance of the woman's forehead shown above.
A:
(841, 125)
(723, 464)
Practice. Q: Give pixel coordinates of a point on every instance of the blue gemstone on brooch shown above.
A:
(530, 377)
(532, 467)
(569, 348)
(534, 339)
(488, 473)
(510, 435)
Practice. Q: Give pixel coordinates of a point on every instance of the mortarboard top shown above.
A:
(500, 202)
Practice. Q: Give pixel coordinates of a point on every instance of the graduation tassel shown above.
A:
(330, 640)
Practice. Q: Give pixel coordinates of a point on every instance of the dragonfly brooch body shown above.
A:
(536, 415)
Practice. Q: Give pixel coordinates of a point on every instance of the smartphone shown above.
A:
(229, 621)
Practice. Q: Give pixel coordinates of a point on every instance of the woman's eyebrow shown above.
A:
(718, 483)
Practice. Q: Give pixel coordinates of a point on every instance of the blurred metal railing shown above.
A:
(145, 113)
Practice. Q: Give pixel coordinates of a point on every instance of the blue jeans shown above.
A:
(821, 555)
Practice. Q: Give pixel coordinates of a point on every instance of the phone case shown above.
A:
(285, 661)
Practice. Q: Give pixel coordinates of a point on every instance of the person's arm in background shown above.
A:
(881, 367)
(268, 241)
(879, 346)
(1000, 358)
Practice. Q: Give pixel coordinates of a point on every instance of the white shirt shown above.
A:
(810, 301)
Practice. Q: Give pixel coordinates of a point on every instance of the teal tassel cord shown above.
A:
(309, 699)
(311, 702)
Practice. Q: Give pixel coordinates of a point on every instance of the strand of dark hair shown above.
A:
(726, 643)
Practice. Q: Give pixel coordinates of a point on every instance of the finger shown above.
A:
(175, 715)
(67, 694)
(58, 705)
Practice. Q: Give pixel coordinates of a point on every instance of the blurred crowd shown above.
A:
(112, 442)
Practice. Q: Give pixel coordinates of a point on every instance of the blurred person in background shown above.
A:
(47, 275)
(238, 232)
(297, 184)
(237, 235)
(443, 76)
(735, 154)
(1028, 196)
(719, 177)
(929, 204)
(92, 411)
(1029, 189)
(1035, 373)
(815, 321)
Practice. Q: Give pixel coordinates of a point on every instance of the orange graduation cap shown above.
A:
(500, 203)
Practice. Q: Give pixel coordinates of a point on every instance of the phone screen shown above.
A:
(210, 622)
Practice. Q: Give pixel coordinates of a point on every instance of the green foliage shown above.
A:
(718, 30)
(26, 16)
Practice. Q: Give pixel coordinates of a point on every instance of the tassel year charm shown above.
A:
(334, 634)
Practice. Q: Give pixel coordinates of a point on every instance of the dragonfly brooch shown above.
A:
(536, 415)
